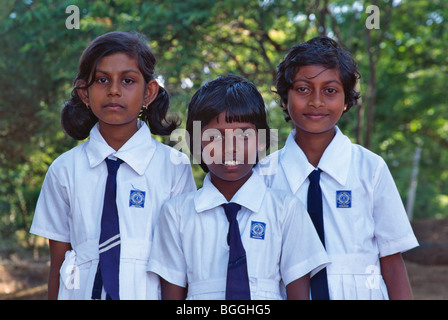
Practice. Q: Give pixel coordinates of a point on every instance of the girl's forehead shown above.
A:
(117, 61)
(316, 72)
(220, 123)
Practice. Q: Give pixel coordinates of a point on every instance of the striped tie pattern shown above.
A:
(109, 244)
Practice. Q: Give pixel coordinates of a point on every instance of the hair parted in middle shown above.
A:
(78, 119)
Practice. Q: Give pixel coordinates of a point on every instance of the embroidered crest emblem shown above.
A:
(257, 230)
(344, 199)
(137, 199)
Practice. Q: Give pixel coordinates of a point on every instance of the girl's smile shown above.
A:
(316, 99)
(229, 161)
(315, 115)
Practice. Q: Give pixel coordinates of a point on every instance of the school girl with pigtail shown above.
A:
(100, 201)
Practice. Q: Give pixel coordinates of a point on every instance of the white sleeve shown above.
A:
(393, 230)
(166, 258)
(302, 250)
(184, 179)
(51, 217)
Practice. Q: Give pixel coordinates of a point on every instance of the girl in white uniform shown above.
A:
(190, 248)
(115, 78)
(366, 226)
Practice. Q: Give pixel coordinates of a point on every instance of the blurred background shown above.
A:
(401, 49)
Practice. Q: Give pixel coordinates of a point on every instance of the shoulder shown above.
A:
(367, 154)
(68, 159)
(284, 201)
(169, 163)
(268, 167)
(181, 201)
(280, 194)
(366, 160)
(174, 156)
(179, 208)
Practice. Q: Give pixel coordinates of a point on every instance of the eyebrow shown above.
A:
(122, 72)
(309, 81)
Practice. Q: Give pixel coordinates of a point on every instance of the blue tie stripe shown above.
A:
(109, 244)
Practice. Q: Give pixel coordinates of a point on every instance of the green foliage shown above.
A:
(403, 66)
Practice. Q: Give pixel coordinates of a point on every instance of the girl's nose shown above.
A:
(231, 142)
(114, 89)
(316, 100)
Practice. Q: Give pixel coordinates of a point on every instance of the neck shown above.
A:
(228, 188)
(117, 135)
(314, 144)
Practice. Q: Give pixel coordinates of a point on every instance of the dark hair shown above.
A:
(78, 120)
(321, 51)
(235, 95)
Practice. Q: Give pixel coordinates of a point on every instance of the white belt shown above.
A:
(219, 285)
(88, 251)
(130, 249)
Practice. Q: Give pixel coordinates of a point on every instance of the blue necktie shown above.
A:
(319, 282)
(109, 243)
(237, 284)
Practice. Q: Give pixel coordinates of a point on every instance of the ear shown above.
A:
(152, 90)
(82, 92)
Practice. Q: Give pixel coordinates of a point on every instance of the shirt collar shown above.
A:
(294, 163)
(335, 161)
(137, 152)
(209, 197)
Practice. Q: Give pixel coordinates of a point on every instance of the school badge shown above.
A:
(344, 199)
(257, 230)
(137, 199)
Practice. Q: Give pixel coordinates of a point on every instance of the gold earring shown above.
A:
(87, 106)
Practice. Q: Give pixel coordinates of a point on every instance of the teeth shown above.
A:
(231, 163)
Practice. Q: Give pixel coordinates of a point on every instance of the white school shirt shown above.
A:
(190, 243)
(70, 206)
(364, 217)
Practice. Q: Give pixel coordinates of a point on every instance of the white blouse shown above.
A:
(364, 217)
(190, 243)
(70, 206)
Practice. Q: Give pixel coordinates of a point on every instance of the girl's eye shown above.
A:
(302, 89)
(244, 135)
(215, 137)
(101, 80)
(331, 90)
(212, 137)
(128, 81)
